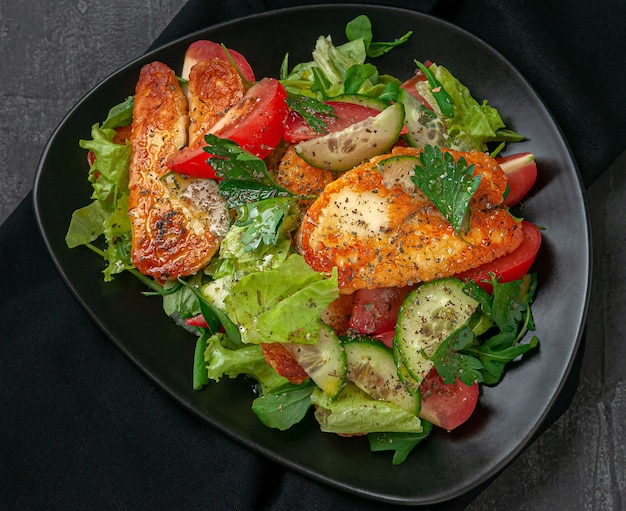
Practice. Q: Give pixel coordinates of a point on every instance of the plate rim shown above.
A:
(520, 446)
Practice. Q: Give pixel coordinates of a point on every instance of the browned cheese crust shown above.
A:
(169, 237)
(382, 231)
(213, 87)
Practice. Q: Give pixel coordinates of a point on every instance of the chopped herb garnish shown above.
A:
(243, 177)
(448, 184)
(475, 356)
(312, 111)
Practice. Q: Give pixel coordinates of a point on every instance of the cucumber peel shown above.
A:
(428, 315)
(343, 150)
(372, 368)
(324, 361)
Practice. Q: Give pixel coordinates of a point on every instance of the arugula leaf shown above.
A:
(284, 407)
(400, 443)
(443, 99)
(448, 184)
(214, 316)
(200, 375)
(450, 361)
(357, 75)
(361, 28)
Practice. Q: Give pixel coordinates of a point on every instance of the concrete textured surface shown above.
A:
(51, 54)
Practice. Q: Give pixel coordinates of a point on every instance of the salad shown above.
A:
(340, 237)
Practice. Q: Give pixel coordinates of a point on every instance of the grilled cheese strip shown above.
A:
(381, 231)
(176, 223)
(214, 86)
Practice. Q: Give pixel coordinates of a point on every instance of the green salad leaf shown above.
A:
(449, 184)
(400, 443)
(283, 304)
(474, 354)
(284, 407)
(361, 28)
(108, 213)
(355, 412)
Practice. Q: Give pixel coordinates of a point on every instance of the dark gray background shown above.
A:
(54, 52)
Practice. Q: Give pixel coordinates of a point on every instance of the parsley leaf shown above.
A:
(474, 354)
(312, 111)
(265, 220)
(448, 184)
(244, 177)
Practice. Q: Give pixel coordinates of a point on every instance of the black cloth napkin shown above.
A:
(82, 428)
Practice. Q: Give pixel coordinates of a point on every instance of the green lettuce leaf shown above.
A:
(108, 213)
(473, 123)
(247, 361)
(355, 412)
(283, 304)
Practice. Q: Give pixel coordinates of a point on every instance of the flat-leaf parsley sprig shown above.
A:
(448, 184)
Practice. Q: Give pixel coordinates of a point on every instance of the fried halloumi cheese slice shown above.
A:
(214, 86)
(176, 223)
(380, 230)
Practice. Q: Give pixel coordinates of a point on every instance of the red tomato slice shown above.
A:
(386, 338)
(447, 405)
(375, 311)
(208, 50)
(521, 170)
(255, 123)
(197, 321)
(345, 114)
(512, 266)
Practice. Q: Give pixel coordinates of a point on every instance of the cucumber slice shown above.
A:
(423, 125)
(371, 367)
(411, 384)
(427, 316)
(397, 171)
(324, 361)
(343, 150)
(361, 99)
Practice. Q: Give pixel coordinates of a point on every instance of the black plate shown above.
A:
(447, 464)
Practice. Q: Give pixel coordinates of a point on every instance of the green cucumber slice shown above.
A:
(423, 125)
(343, 150)
(371, 367)
(411, 384)
(427, 316)
(397, 171)
(324, 361)
(362, 99)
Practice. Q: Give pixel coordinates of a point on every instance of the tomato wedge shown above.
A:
(255, 123)
(208, 50)
(521, 171)
(345, 114)
(447, 405)
(375, 311)
(512, 266)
